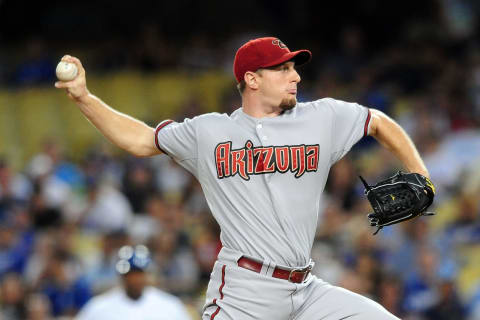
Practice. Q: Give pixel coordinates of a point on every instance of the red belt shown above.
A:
(295, 275)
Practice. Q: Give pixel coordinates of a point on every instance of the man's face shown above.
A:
(134, 282)
(278, 85)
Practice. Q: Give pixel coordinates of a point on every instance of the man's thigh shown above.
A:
(235, 293)
(320, 300)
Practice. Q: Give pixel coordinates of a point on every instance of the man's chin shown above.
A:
(288, 103)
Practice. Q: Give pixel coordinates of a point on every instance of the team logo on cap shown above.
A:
(279, 43)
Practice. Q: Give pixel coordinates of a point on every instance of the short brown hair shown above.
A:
(241, 86)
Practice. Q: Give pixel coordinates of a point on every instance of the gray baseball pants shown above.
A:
(235, 293)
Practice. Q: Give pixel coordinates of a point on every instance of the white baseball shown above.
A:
(66, 71)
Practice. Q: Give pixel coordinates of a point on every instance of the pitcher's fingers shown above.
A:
(78, 63)
(63, 84)
(66, 57)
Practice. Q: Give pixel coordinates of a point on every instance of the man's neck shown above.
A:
(256, 109)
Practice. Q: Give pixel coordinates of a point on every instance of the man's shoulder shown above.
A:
(207, 119)
(319, 105)
(212, 116)
(323, 102)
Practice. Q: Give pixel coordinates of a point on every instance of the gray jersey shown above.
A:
(263, 178)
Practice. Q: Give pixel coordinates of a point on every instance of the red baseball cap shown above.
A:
(263, 53)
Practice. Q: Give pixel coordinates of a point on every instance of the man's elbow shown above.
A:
(144, 145)
(143, 148)
(378, 121)
(143, 151)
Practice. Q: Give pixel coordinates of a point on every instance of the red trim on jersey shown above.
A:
(367, 122)
(160, 126)
(223, 282)
(216, 311)
(221, 293)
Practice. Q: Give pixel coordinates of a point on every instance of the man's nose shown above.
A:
(296, 76)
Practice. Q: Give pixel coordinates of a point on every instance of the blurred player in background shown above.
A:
(135, 299)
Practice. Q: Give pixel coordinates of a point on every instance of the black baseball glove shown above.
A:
(401, 197)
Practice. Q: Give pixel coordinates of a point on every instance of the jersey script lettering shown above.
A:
(259, 160)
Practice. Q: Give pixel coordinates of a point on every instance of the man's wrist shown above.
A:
(83, 99)
(423, 173)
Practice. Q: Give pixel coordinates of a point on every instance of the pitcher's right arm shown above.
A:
(124, 131)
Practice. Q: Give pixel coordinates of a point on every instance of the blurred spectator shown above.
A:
(465, 228)
(198, 54)
(138, 184)
(331, 223)
(38, 307)
(12, 297)
(144, 227)
(176, 266)
(448, 303)
(15, 247)
(101, 164)
(170, 178)
(403, 244)
(152, 52)
(454, 154)
(66, 290)
(43, 250)
(474, 305)
(195, 203)
(331, 269)
(206, 246)
(170, 216)
(459, 18)
(351, 56)
(43, 216)
(14, 187)
(390, 294)
(107, 209)
(101, 274)
(420, 285)
(55, 178)
(37, 67)
(341, 185)
(135, 298)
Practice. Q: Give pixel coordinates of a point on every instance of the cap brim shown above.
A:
(300, 57)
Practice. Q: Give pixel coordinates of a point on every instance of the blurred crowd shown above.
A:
(62, 221)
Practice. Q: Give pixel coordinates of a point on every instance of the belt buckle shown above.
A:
(305, 272)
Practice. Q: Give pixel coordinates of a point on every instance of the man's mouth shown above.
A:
(292, 91)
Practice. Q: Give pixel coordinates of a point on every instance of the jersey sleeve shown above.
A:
(179, 141)
(350, 123)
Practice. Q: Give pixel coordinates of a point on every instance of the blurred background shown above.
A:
(69, 199)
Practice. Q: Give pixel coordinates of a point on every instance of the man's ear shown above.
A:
(251, 79)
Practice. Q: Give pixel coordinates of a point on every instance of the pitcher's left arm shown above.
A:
(392, 136)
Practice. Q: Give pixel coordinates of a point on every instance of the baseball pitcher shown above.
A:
(263, 169)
